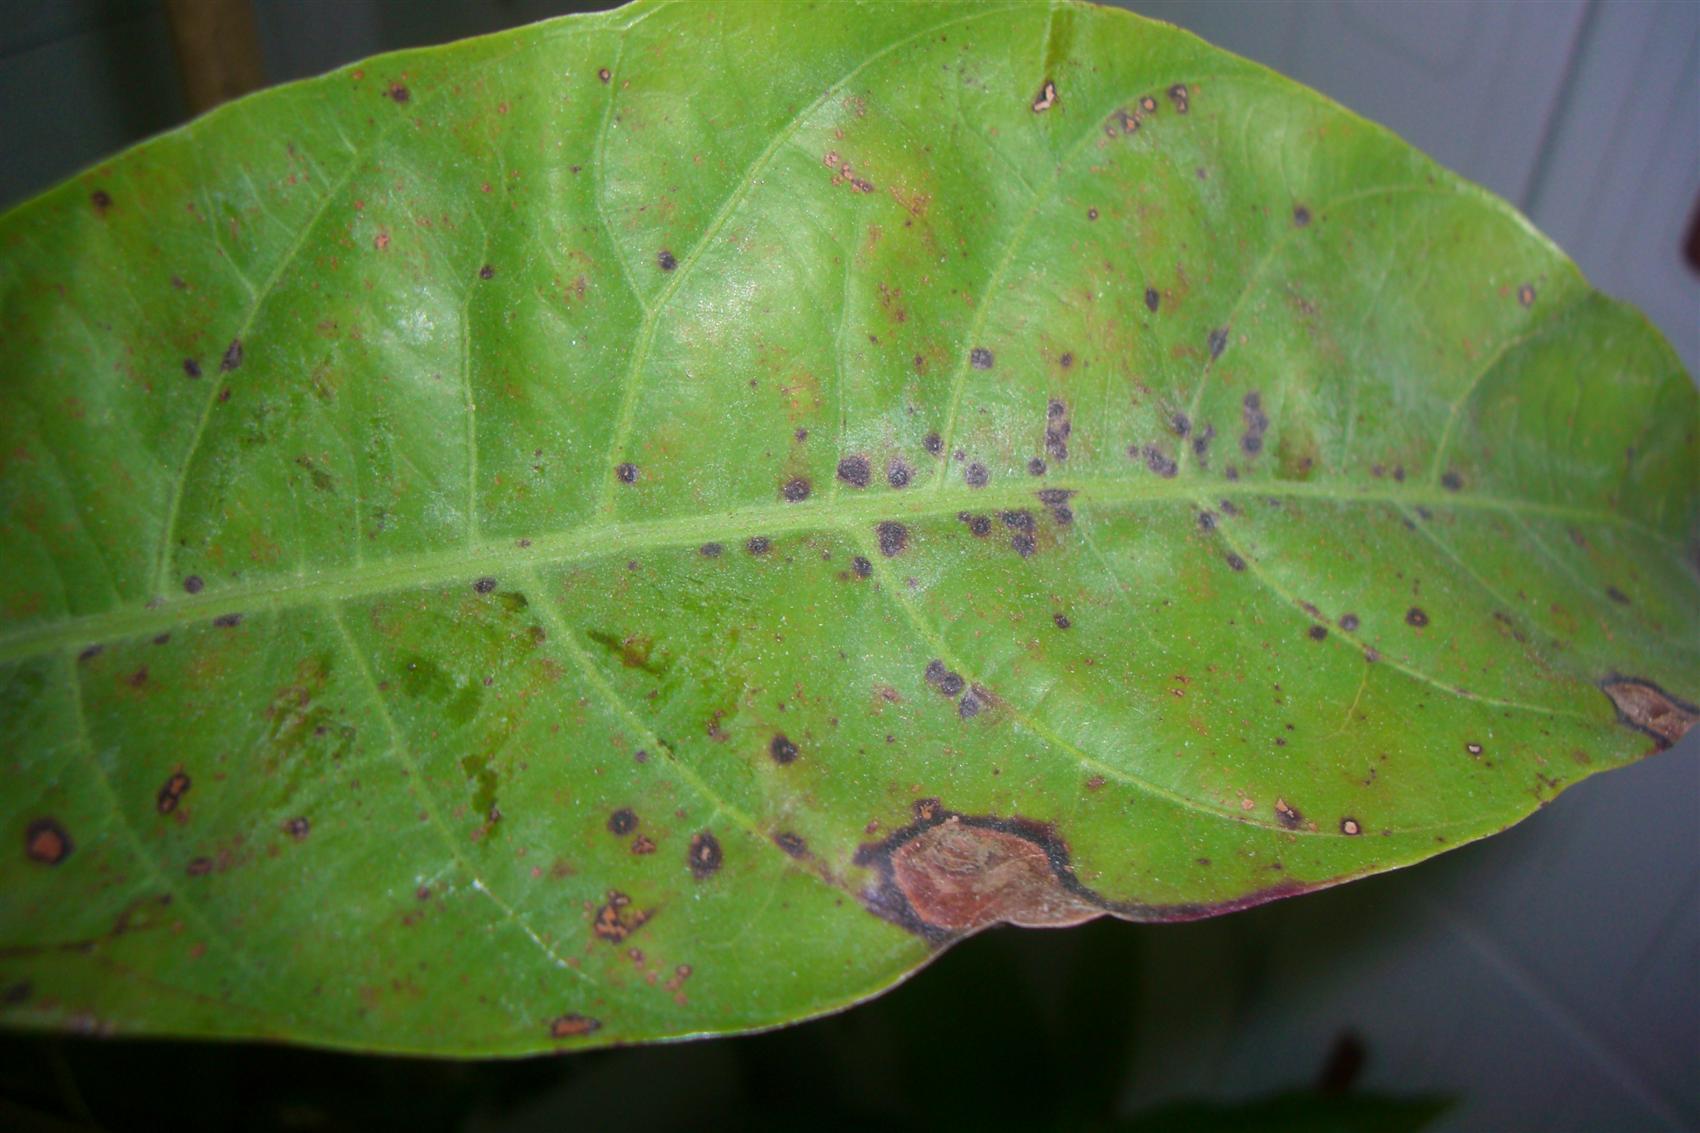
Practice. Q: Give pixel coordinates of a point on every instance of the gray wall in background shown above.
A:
(1551, 976)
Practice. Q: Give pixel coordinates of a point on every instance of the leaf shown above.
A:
(652, 524)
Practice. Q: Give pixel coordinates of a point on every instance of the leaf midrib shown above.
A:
(616, 538)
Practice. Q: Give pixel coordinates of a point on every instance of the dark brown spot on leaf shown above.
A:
(572, 1026)
(980, 358)
(975, 475)
(1415, 617)
(228, 621)
(1647, 708)
(193, 584)
(101, 200)
(1286, 815)
(948, 682)
(232, 356)
(484, 585)
(897, 473)
(46, 841)
(191, 367)
(791, 844)
(782, 749)
(932, 443)
(298, 827)
(1061, 621)
(758, 545)
(1452, 482)
(172, 792)
(1348, 622)
(1526, 295)
(861, 566)
(795, 490)
(1152, 299)
(626, 473)
(704, 856)
(1235, 562)
(1301, 215)
(1350, 827)
(622, 821)
(1318, 633)
(1178, 96)
(665, 261)
(1046, 98)
(853, 470)
(711, 550)
(893, 537)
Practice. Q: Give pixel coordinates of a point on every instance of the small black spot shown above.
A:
(947, 682)
(1091, 214)
(101, 200)
(1318, 633)
(1301, 215)
(1180, 424)
(665, 261)
(622, 821)
(979, 525)
(704, 855)
(932, 443)
(486, 272)
(782, 749)
(1152, 299)
(1617, 596)
(1035, 467)
(298, 827)
(1452, 481)
(227, 621)
(399, 93)
(1061, 621)
(1018, 520)
(1348, 622)
(975, 475)
(969, 706)
(1526, 295)
(795, 490)
(232, 356)
(1201, 442)
(710, 550)
(1066, 360)
(1206, 521)
(853, 470)
(1057, 429)
(758, 545)
(1218, 342)
(1159, 462)
(861, 566)
(193, 584)
(1022, 544)
(897, 473)
(791, 844)
(1235, 562)
(980, 358)
(626, 473)
(1415, 617)
(484, 585)
(1178, 96)
(894, 537)
(89, 653)
(191, 368)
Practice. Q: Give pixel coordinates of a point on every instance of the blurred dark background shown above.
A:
(1546, 979)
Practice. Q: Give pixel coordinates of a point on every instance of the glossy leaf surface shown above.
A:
(652, 524)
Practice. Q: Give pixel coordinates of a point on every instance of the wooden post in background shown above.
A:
(218, 50)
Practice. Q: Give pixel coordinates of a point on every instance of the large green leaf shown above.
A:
(652, 524)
